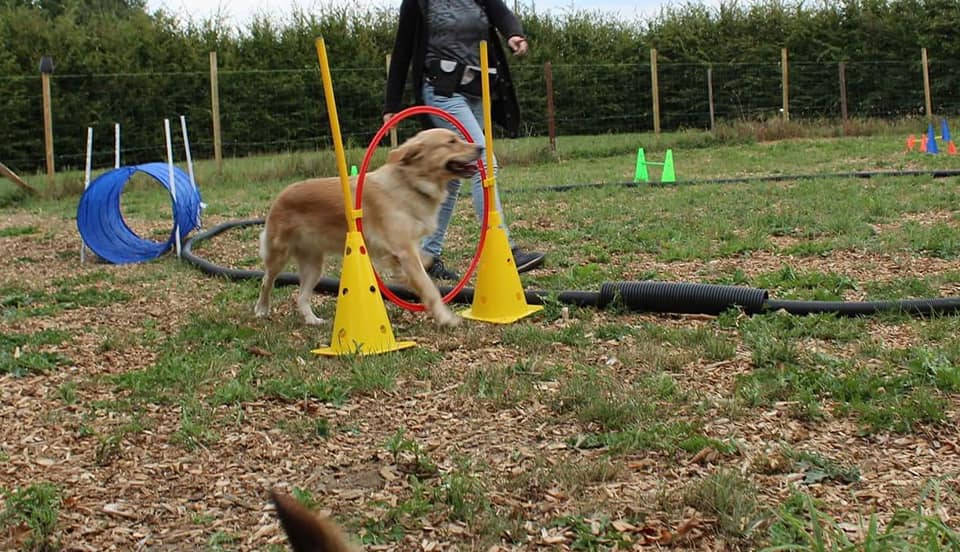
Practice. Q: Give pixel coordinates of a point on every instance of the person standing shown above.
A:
(438, 42)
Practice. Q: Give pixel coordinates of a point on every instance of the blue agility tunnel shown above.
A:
(101, 223)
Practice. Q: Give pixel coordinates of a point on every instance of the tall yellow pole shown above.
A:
(498, 296)
(360, 325)
(487, 117)
(351, 214)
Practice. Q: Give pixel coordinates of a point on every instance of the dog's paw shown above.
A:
(313, 320)
(261, 311)
(446, 318)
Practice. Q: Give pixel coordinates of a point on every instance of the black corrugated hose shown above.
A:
(933, 173)
(647, 296)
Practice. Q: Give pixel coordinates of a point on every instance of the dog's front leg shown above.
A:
(409, 260)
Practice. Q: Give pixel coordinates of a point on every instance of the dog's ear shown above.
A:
(405, 153)
(306, 531)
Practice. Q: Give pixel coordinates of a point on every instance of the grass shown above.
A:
(817, 468)
(463, 491)
(507, 385)
(592, 533)
(35, 510)
(627, 419)
(489, 424)
(389, 525)
(111, 444)
(306, 429)
(896, 391)
(20, 354)
(731, 498)
(460, 492)
(533, 338)
(13, 231)
(195, 422)
(800, 524)
(18, 301)
(409, 455)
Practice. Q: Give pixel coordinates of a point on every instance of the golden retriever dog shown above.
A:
(306, 531)
(401, 201)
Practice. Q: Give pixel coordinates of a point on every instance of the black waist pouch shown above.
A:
(445, 76)
(475, 86)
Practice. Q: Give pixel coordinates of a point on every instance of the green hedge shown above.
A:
(117, 63)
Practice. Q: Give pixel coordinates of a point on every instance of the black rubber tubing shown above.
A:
(647, 296)
(933, 173)
(915, 307)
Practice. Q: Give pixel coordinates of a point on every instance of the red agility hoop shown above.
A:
(362, 172)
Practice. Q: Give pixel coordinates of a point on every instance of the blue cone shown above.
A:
(931, 140)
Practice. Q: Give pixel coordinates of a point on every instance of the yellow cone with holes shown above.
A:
(361, 326)
(498, 296)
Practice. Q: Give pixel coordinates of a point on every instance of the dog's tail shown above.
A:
(306, 531)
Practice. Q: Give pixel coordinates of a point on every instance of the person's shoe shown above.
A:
(527, 260)
(437, 271)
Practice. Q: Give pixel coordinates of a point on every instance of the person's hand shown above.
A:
(387, 117)
(518, 44)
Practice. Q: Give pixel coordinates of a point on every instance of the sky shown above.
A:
(239, 12)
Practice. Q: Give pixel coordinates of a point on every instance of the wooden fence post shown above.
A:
(842, 68)
(713, 121)
(4, 171)
(551, 115)
(926, 84)
(46, 69)
(655, 87)
(215, 112)
(785, 72)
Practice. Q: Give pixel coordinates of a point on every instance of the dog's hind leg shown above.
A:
(274, 260)
(310, 270)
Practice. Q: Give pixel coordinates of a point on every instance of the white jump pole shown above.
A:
(116, 145)
(186, 146)
(173, 182)
(86, 184)
(193, 181)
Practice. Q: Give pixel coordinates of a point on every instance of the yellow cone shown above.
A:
(498, 296)
(361, 325)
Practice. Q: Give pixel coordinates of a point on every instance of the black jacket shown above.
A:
(409, 51)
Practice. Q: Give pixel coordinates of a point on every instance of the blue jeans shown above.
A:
(469, 111)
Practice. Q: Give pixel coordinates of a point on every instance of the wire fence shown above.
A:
(283, 110)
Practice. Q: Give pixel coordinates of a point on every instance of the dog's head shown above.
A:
(438, 155)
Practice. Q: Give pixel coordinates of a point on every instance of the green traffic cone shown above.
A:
(641, 174)
(668, 173)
